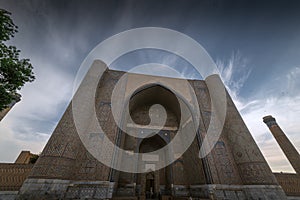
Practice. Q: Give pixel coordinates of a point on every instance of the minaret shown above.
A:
(287, 147)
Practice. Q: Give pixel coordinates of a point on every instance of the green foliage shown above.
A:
(14, 72)
(33, 159)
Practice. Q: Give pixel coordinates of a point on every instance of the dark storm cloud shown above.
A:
(65, 28)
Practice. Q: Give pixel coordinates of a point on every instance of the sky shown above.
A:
(255, 44)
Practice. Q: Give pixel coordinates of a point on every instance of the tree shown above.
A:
(33, 158)
(14, 72)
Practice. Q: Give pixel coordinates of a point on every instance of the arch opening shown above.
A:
(163, 179)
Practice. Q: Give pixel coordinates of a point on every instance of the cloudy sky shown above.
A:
(255, 44)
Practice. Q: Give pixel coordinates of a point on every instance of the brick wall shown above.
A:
(289, 182)
(13, 175)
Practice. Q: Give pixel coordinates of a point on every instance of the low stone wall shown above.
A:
(241, 192)
(8, 195)
(289, 182)
(13, 175)
(36, 189)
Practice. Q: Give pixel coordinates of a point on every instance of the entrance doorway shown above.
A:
(150, 186)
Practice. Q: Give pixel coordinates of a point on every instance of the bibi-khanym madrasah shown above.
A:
(234, 169)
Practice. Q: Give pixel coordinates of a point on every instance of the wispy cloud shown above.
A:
(234, 73)
(285, 108)
(293, 81)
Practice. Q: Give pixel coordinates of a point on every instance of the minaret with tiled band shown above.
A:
(287, 147)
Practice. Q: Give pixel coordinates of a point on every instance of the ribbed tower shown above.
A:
(287, 147)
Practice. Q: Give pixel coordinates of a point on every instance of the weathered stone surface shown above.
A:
(43, 189)
(8, 195)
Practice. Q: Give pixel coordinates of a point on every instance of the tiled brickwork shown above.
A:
(290, 183)
(13, 175)
(252, 166)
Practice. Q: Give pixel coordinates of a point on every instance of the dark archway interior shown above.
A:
(151, 144)
(143, 99)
